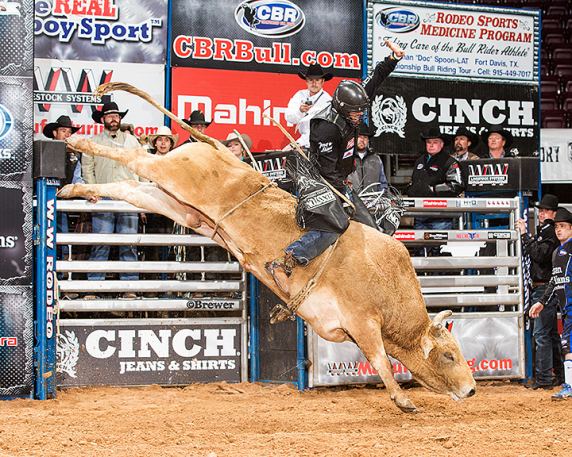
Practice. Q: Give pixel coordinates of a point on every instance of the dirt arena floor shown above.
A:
(216, 420)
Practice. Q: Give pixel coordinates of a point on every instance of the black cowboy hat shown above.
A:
(315, 70)
(473, 137)
(548, 201)
(108, 108)
(502, 132)
(197, 117)
(62, 121)
(434, 132)
(365, 129)
(563, 215)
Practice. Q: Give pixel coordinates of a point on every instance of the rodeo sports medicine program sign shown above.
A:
(465, 65)
(268, 35)
(16, 119)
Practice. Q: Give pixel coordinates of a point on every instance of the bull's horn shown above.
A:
(111, 86)
(438, 319)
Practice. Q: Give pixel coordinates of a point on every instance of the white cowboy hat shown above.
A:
(163, 131)
(233, 137)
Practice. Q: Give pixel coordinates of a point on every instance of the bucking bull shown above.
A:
(364, 289)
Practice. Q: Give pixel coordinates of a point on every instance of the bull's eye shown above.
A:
(449, 356)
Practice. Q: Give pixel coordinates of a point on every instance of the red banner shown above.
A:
(237, 100)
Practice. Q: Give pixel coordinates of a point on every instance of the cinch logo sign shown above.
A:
(398, 20)
(5, 121)
(272, 19)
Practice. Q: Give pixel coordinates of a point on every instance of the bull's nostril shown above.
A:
(471, 393)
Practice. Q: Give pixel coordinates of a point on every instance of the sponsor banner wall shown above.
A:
(490, 346)
(237, 100)
(65, 87)
(131, 352)
(455, 41)
(556, 155)
(16, 341)
(407, 106)
(104, 30)
(16, 120)
(268, 35)
(17, 38)
(15, 233)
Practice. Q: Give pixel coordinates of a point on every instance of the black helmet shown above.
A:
(349, 97)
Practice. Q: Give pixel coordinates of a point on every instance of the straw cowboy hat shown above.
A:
(163, 131)
(232, 137)
(108, 108)
(197, 117)
(315, 71)
(62, 121)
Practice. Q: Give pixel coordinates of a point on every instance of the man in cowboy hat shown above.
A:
(163, 140)
(498, 142)
(540, 248)
(435, 174)
(100, 170)
(307, 102)
(464, 142)
(233, 143)
(197, 121)
(368, 164)
(560, 286)
(60, 130)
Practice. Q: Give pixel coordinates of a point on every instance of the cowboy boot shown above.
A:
(280, 269)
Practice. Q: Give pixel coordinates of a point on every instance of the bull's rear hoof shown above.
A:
(408, 409)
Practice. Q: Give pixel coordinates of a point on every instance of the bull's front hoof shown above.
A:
(405, 405)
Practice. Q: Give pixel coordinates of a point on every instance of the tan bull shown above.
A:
(366, 292)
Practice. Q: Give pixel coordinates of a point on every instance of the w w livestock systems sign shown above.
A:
(556, 155)
(64, 87)
(457, 41)
(167, 352)
(104, 30)
(407, 106)
(491, 346)
(214, 92)
(268, 35)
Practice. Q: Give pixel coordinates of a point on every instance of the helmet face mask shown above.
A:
(349, 99)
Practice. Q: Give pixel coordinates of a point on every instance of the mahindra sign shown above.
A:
(238, 100)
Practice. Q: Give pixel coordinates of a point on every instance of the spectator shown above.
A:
(540, 248)
(100, 170)
(498, 142)
(232, 142)
(435, 174)
(197, 121)
(306, 103)
(368, 165)
(163, 140)
(560, 285)
(464, 142)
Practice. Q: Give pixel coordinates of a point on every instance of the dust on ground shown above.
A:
(216, 420)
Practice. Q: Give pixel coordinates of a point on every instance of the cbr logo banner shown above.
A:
(134, 28)
(65, 87)
(214, 93)
(267, 35)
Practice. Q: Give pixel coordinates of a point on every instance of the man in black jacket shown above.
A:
(333, 141)
(435, 174)
(540, 248)
(560, 286)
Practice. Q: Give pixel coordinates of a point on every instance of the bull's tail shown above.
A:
(111, 86)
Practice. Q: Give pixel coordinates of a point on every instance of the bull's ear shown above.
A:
(426, 346)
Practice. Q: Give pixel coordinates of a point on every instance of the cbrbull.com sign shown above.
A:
(134, 353)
